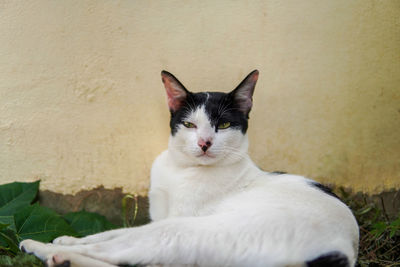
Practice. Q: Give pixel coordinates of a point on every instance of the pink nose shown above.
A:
(204, 144)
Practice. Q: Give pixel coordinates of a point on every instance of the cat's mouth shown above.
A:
(206, 155)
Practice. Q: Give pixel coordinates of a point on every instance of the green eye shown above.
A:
(224, 125)
(189, 124)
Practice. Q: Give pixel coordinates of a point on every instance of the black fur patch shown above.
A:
(64, 264)
(278, 172)
(332, 259)
(324, 189)
(220, 108)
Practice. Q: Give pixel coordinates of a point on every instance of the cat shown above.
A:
(210, 204)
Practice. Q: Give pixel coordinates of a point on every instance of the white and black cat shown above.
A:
(211, 205)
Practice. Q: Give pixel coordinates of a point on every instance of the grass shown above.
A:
(379, 234)
(20, 260)
(379, 237)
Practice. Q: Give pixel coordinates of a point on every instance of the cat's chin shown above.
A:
(206, 159)
(209, 159)
(206, 155)
(189, 159)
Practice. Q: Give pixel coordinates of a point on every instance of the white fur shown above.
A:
(220, 209)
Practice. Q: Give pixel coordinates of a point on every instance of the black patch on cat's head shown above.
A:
(220, 108)
(324, 189)
(233, 107)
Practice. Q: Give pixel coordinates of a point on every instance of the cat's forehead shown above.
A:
(209, 98)
(213, 102)
(199, 116)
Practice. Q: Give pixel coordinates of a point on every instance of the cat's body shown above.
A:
(211, 205)
(254, 218)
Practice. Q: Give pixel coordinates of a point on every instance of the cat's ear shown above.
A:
(243, 94)
(176, 92)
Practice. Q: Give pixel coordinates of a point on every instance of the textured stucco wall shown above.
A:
(82, 104)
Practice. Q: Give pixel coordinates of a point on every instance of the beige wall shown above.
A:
(82, 104)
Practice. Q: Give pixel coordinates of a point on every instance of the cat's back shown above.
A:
(296, 195)
(295, 214)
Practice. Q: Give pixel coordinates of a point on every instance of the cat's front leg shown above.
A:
(186, 240)
(56, 256)
(68, 259)
(96, 238)
(158, 204)
(66, 240)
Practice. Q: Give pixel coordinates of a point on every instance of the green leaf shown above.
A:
(3, 226)
(392, 232)
(14, 196)
(40, 223)
(88, 223)
(396, 223)
(7, 235)
(8, 241)
(394, 227)
(364, 210)
(378, 228)
(9, 221)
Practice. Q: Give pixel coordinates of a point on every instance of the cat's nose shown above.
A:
(204, 144)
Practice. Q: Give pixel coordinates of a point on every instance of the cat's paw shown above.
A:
(66, 240)
(58, 260)
(39, 249)
(45, 252)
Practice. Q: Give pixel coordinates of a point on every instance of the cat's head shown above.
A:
(209, 127)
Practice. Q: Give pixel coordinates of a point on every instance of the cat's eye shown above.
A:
(224, 125)
(189, 124)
